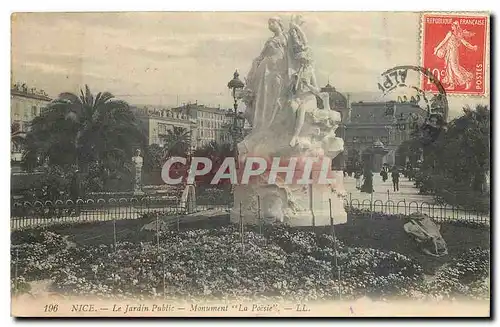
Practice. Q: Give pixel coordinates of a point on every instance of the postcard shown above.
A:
(250, 164)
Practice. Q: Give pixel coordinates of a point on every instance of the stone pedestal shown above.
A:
(295, 204)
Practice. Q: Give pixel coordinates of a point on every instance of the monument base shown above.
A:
(294, 205)
(311, 218)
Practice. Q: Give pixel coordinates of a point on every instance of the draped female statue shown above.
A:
(281, 81)
(267, 79)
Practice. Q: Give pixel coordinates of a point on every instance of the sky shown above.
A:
(171, 58)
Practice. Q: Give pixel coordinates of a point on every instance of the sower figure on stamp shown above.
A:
(448, 49)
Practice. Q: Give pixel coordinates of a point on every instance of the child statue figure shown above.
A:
(303, 88)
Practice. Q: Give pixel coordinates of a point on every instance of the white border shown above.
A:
(201, 5)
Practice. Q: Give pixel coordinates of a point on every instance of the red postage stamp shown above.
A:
(454, 50)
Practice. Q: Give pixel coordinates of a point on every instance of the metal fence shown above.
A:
(26, 214)
(437, 212)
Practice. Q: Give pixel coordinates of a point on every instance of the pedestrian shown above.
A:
(357, 175)
(395, 178)
(367, 186)
(384, 174)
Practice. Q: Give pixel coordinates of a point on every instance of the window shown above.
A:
(33, 111)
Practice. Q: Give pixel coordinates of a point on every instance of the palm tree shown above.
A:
(79, 130)
(176, 143)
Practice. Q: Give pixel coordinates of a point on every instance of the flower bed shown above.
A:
(279, 263)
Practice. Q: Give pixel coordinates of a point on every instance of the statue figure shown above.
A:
(304, 87)
(267, 79)
(280, 97)
(137, 161)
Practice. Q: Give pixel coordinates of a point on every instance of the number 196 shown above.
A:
(51, 308)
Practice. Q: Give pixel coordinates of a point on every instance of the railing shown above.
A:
(26, 214)
(439, 213)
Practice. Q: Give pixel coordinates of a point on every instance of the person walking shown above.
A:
(384, 174)
(395, 178)
(357, 176)
(367, 186)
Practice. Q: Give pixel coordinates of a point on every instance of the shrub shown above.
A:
(282, 262)
(463, 277)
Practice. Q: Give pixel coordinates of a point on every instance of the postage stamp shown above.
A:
(454, 50)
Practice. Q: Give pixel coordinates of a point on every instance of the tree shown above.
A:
(177, 143)
(153, 157)
(466, 152)
(410, 149)
(217, 153)
(456, 164)
(16, 135)
(84, 130)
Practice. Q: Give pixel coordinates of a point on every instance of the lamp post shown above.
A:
(236, 85)
(357, 158)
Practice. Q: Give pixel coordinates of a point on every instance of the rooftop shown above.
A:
(33, 93)
(337, 99)
(202, 107)
(150, 111)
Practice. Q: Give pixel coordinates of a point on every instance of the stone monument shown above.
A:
(138, 161)
(280, 97)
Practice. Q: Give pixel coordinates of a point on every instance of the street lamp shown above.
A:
(236, 85)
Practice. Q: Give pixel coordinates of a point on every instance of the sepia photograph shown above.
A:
(250, 164)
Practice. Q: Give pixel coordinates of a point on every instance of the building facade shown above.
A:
(157, 121)
(25, 104)
(372, 131)
(212, 123)
(376, 129)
